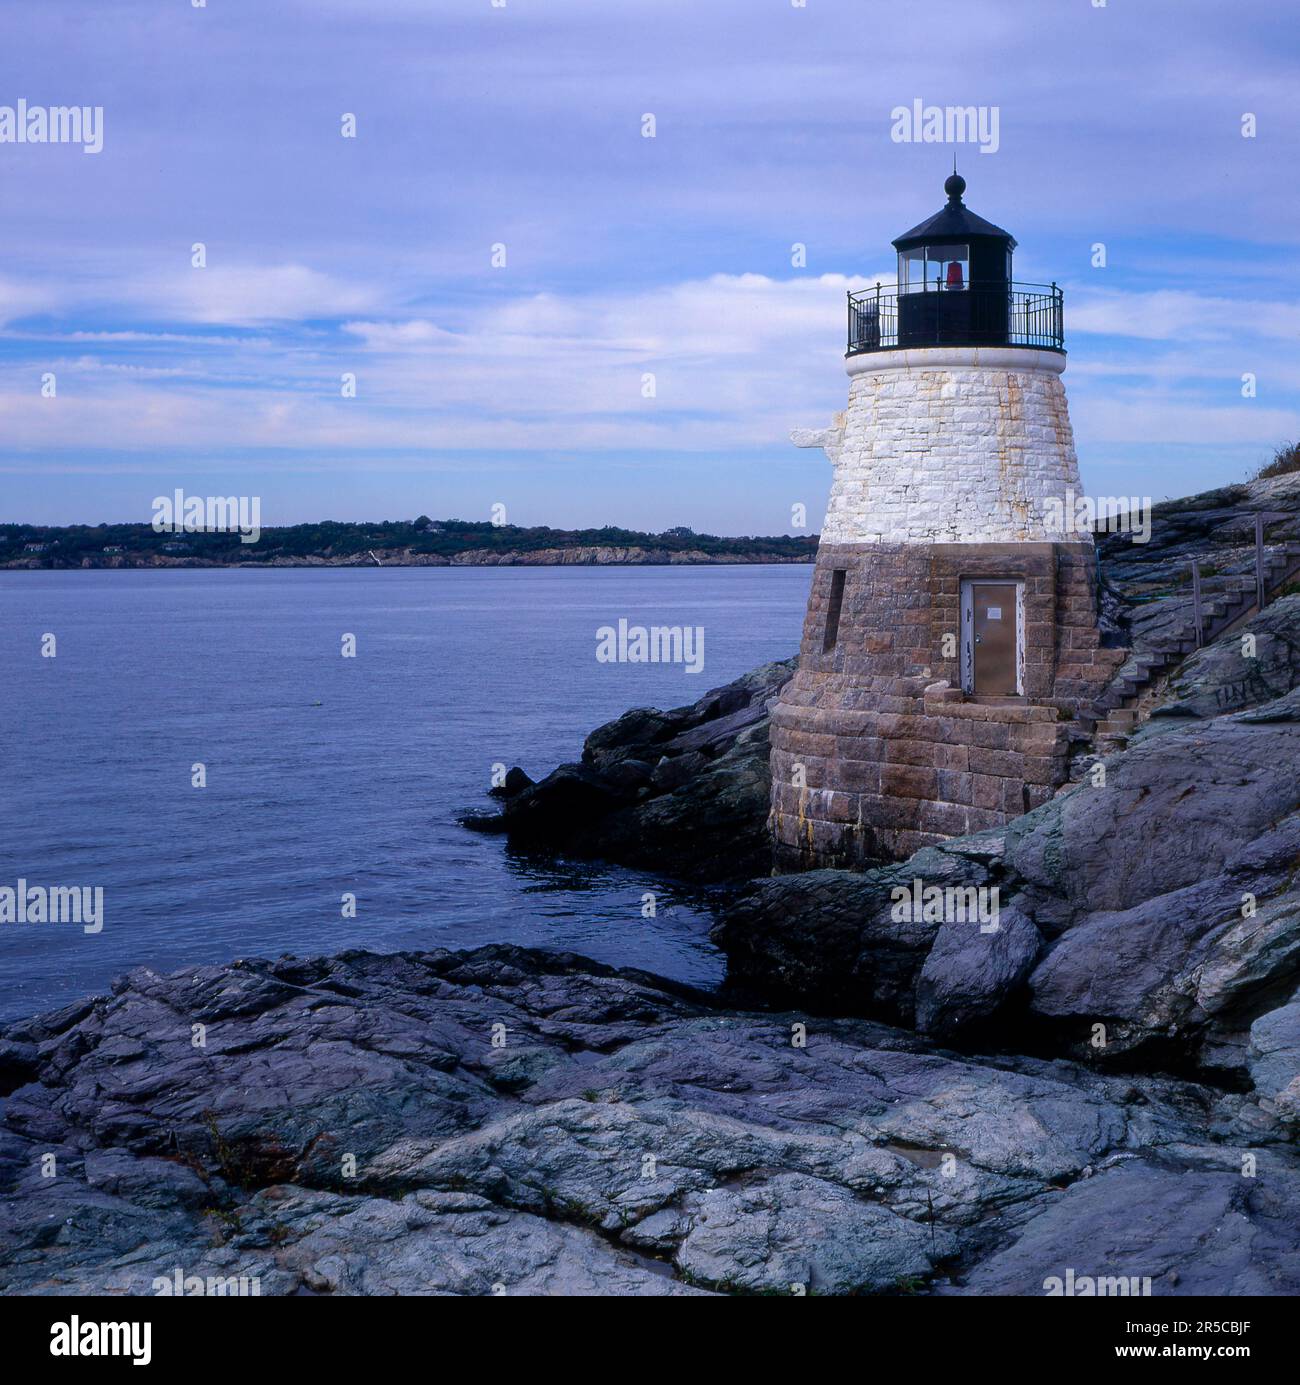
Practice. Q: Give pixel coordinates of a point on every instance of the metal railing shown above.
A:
(981, 314)
(1263, 578)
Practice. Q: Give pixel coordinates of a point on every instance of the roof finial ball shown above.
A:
(954, 186)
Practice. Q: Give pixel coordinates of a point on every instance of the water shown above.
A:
(327, 774)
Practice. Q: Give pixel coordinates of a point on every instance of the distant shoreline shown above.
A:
(567, 558)
(419, 543)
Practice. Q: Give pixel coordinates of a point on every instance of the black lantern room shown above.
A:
(955, 289)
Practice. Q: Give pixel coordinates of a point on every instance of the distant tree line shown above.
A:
(70, 544)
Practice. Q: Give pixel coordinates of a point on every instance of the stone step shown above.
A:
(1109, 742)
(1177, 648)
(1116, 724)
(1121, 716)
(1109, 713)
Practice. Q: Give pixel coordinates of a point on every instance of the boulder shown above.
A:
(683, 792)
(795, 1233)
(515, 782)
(970, 973)
(1139, 1229)
(634, 734)
(1152, 937)
(1274, 1062)
(833, 940)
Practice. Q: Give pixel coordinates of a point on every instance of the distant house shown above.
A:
(114, 548)
(175, 548)
(35, 547)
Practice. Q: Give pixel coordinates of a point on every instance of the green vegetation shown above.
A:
(101, 545)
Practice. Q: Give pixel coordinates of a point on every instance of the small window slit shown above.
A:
(833, 610)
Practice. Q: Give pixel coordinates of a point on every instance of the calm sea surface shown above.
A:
(327, 774)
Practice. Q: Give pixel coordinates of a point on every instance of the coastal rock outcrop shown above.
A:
(1162, 906)
(1222, 677)
(1150, 581)
(1274, 1061)
(1208, 1231)
(684, 792)
(522, 1122)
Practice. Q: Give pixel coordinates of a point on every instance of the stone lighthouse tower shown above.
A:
(951, 635)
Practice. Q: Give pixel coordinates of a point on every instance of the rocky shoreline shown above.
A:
(1161, 905)
(514, 1121)
(881, 1100)
(683, 792)
(869, 1107)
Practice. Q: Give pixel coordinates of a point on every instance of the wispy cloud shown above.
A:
(1177, 314)
(627, 257)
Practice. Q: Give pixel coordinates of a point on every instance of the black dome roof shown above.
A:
(954, 222)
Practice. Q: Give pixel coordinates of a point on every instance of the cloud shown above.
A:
(1179, 314)
(1142, 418)
(249, 294)
(707, 365)
(399, 336)
(19, 299)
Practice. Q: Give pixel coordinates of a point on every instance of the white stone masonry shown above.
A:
(950, 445)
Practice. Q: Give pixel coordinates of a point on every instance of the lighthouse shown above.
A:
(951, 639)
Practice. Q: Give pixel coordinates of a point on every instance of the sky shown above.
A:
(500, 257)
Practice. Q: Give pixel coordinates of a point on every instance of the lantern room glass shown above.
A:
(934, 269)
(911, 270)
